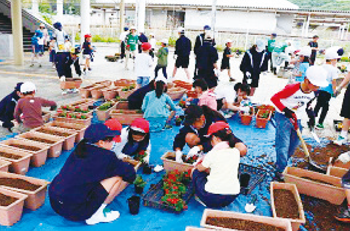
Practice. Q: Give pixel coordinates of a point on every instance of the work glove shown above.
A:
(195, 151)
(178, 157)
(63, 78)
(249, 77)
(344, 157)
(146, 159)
(121, 156)
(291, 116)
(244, 109)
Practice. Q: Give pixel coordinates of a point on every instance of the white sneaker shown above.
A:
(340, 141)
(62, 79)
(64, 92)
(106, 215)
(74, 90)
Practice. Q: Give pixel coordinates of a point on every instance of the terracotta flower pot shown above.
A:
(176, 94)
(262, 122)
(277, 222)
(18, 164)
(336, 171)
(306, 182)
(246, 119)
(71, 84)
(55, 149)
(291, 187)
(104, 115)
(69, 139)
(4, 165)
(86, 121)
(171, 165)
(38, 157)
(96, 92)
(35, 198)
(12, 213)
(79, 128)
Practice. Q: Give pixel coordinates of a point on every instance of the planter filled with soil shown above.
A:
(219, 220)
(246, 118)
(105, 83)
(82, 103)
(262, 118)
(54, 142)
(19, 160)
(11, 206)
(170, 164)
(79, 128)
(4, 165)
(124, 82)
(124, 92)
(176, 93)
(96, 92)
(85, 92)
(68, 117)
(192, 94)
(83, 109)
(110, 93)
(68, 135)
(104, 110)
(33, 187)
(336, 171)
(286, 203)
(124, 115)
(46, 116)
(38, 150)
(183, 84)
(316, 184)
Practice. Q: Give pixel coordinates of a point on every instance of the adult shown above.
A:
(90, 179)
(131, 43)
(182, 50)
(271, 43)
(207, 57)
(254, 61)
(7, 107)
(142, 39)
(122, 39)
(314, 47)
(59, 39)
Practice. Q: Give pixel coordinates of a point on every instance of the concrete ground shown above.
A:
(47, 81)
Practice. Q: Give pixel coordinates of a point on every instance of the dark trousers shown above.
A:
(122, 50)
(60, 61)
(323, 99)
(269, 59)
(163, 70)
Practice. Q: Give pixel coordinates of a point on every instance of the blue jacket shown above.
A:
(7, 107)
(206, 57)
(183, 46)
(136, 98)
(66, 66)
(154, 107)
(254, 62)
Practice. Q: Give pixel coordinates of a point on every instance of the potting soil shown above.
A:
(25, 147)
(55, 133)
(261, 153)
(10, 156)
(285, 204)
(239, 224)
(6, 200)
(41, 140)
(18, 183)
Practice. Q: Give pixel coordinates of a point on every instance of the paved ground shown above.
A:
(47, 82)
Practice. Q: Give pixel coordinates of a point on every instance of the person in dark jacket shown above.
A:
(207, 57)
(196, 124)
(7, 107)
(142, 39)
(136, 98)
(90, 179)
(183, 51)
(254, 61)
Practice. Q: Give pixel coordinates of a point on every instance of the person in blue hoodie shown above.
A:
(91, 178)
(7, 107)
(36, 48)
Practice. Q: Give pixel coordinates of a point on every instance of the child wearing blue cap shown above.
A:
(37, 47)
(90, 179)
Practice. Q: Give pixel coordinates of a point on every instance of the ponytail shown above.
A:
(159, 88)
(226, 135)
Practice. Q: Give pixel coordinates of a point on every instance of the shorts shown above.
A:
(142, 80)
(87, 56)
(220, 103)
(225, 65)
(79, 211)
(182, 61)
(38, 49)
(199, 179)
(255, 81)
(345, 109)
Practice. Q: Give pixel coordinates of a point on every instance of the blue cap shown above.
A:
(38, 33)
(96, 132)
(274, 34)
(207, 27)
(57, 25)
(126, 28)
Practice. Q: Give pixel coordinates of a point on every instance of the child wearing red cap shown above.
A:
(143, 65)
(215, 178)
(87, 51)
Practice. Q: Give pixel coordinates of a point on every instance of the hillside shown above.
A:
(323, 4)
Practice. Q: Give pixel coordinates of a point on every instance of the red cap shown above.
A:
(114, 125)
(87, 36)
(140, 125)
(215, 127)
(146, 46)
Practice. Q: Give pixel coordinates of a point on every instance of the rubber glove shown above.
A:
(178, 157)
(121, 156)
(344, 157)
(193, 152)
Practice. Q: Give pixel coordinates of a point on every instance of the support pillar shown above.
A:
(141, 15)
(17, 31)
(307, 26)
(59, 10)
(122, 15)
(35, 6)
(213, 16)
(85, 18)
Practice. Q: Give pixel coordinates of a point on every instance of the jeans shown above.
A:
(286, 140)
(323, 99)
(142, 80)
(163, 70)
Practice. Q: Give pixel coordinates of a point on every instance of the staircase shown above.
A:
(6, 28)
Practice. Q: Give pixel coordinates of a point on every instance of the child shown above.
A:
(133, 139)
(131, 45)
(155, 106)
(122, 39)
(225, 63)
(52, 53)
(37, 48)
(30, 106)
(314, 46)
(304, 55)
(90, 179)
(162, 56)
(143, 66)
(291, 103)
(153, 43)
(135, 100)
(206, 97)
(67, 44)
(7, 107)
(87, 52)
(215, 179)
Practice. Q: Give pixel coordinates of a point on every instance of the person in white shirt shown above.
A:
(143, 65)
(215, 177)
(122, 39)
(153, 43)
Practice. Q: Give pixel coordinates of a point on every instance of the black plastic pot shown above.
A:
(147, 169)
(178, 123)
(244, 179)
(134, 204)
(138, 190)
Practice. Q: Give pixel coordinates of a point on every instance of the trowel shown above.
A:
(250, 207)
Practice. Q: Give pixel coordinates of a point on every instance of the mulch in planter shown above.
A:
(41, 140)
(285, 204)
(18, 183)
(6, 200)
(26, 147)
(55, 133)
(234, 223)
(10, 156)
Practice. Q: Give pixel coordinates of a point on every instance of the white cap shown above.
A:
(161, 78)
(228, 41)
(305, 51)
(132, 28)
(317, 75)
(332, 53)
(180, 29)
(208, 36)
(27, 87)
(260, 44)
(151, 34)
(165, 41)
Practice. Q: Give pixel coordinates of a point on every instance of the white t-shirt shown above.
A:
(153, 42)
(143, 65)
(223, 177)
(225, 92)
(332, 73)
(123, 35)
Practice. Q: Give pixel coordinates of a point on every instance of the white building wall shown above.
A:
(158, 19)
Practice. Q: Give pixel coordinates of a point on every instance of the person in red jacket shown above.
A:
(291, 104)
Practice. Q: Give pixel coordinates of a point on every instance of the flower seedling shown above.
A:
(139, 182)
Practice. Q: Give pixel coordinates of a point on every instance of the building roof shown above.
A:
(261, 4)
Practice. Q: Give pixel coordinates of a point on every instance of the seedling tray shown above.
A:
(153, 197)
(257, 175)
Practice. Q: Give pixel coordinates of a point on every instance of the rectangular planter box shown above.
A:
(85, 92)
(12, 213)
(246, 119)
(72, 108)
(69, 141)
(105, 83)
(79, 128)
(96, 92)
(197, 229)
(38, 157)
(86, 121)
(176, 93)
(261, 122)
(126, 117)
(294, 222)
(124, 82)
(55, 149)
(71, 83)
(104, 115)
(35, 198)
(110, 93)
(277, 222)
(336, 171)
(19, 166)
(334, 193)
(125, 94)
(46, 116)
(4, 165)
(83, 102)
(171, 165)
